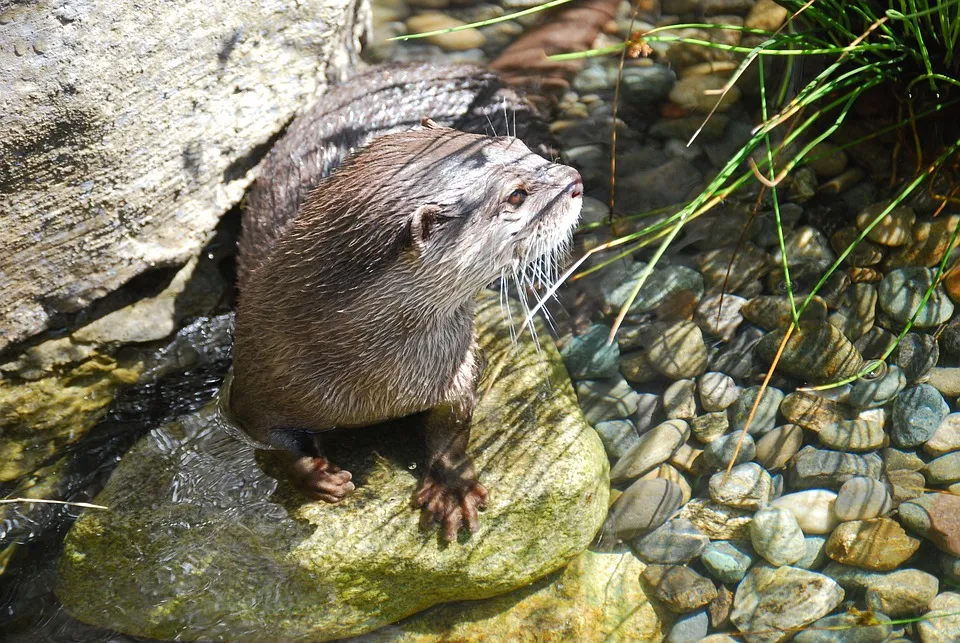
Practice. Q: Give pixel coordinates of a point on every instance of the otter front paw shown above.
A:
(452, 505)
(320, 479)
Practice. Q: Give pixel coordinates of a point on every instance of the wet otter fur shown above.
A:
(359, 307)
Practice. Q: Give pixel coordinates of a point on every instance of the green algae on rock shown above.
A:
(200, 543)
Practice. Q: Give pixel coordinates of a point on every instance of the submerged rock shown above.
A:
(200, 543)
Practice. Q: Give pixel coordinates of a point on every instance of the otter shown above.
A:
(357, 289)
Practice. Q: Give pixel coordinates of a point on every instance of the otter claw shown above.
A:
(453, 507)
(320, 479)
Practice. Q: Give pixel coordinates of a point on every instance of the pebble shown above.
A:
(812, 468)
(679, 587)
(646, 85)
(905, 485)
(942, 622)
(611, 399)
(733, 269)
(690, 628)
(853, 435)
(827, 160)
(719, 315)
(765, 15)
(813, 509)
(782, 599)
(677, 350)
(879, 544)
(901, 292)
(661, 283)
(709, 426)
(456, 41)
(651, 449)
(875, 343)
(946, 439)
(814, 353)
(816, 554)
(644, 506)
(812, 411)
(688, 458)
(766, 416)
(649, 412)
(907, 592)
(949, 565)
(728, 561)
(719, 609)
(917, 414)
(772, 312)
(737, 358)
(946, 380)
(717, 391)
(806, 245)
(894, 459)
(893, 229)
(718, 638)
(675, 541)
(856, 311)
(588, 357)
(776, 536)
(680, 401)
(917, 353)
(718, 522)
(617, 437)
(936, 517)
(930, 240)
(862, 498)
(748, 486)
(690, 94)
(869, 393)
(865, 253)
(671, 473)
(849, 627)
(721, 451)
(943, 470)
(776, 448)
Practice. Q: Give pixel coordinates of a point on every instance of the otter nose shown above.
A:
(576, 188)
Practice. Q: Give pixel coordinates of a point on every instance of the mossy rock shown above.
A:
(199, 543)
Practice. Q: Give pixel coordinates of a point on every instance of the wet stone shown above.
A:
(772, 312)
(721, 451)
(812, 468)
(747, 486)
(936, 517)
(945, 379)
(776, 536)
(651, 449)
(688, 458)
(816, 554)
(811, 411)
(677, 350)
(611, 399)
(907, 592)
(679, 587)
(719, 315)
(718, 522)
(649, 412)
(862, 498)
(806, 245)
(942, 622)
(814, 353)
(588, 357)
(875, 343)
(917, 413)
(946, 439)
(944, 470)
(879, 544)
(776, 448)
(717, 391)
(905, 485)
(894, 459)
(643, 507)
(663, 282)
(689, 628)
(749, 263)
(775, 601)
(728, 561)
(893, 229)
(929, 241)
(719, 608)
(697, 93)
(679, 400)
(766, 416)
(737, 358)
(865, 253)
(901, 292)
(917, 354)
(709, 426)
(671, 473)
(455, 41)
(813, 509)
(853, 435)
(847, 628)
(869, 393)
(856, 311)
(675, 541)
(617, 437)
(950, 566)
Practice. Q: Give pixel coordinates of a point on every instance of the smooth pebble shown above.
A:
(813, 509)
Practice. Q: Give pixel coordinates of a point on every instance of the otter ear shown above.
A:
(429, 123)
(422, 225)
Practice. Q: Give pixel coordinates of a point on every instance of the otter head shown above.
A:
(488, 205)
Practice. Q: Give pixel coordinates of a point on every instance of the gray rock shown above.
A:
(942, 622)
(917, 353)
(727, 561)
(679, 587)
(199, 502)
(588, 357)
(644, 506)
(813, 509)
(813, 468)
(690, 628)
(663, 281)
(950, 566)
(747, 486)
(766, 416)
(718, 522)
(946, 439)
(719, 315)
(617, 437)
(721, 451)
(737, 358)
(847, 628)
(647, 85)
(677, 350)
(776, 448)
(857, 436)
(816, 555)
(816, 352)
(870, 393)
(856, 311)
(651, 449)
(679, 400)
(906, 592)
(862, 498)
(944, 470)
(775, 535)
(902, 291)
(717, 391)
(875, 343)
(675, 541)
(649, 412)
(709, 426)
(611, 399)
(945, 379)
(771, 602)
(917, 413)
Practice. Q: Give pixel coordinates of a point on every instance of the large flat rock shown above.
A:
(127, 128)
(199, 543)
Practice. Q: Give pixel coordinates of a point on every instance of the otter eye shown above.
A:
(517, 197)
